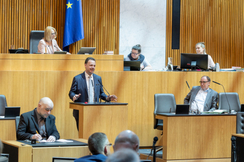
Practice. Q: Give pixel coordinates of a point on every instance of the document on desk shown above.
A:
(60, 140)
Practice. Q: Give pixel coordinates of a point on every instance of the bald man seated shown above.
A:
(124, 155)
(38, 124)
(127, 139)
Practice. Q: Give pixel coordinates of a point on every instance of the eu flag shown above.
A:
(73, 27)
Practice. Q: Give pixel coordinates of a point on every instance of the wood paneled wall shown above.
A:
(218, 23)
(19, 17)
(25, 88)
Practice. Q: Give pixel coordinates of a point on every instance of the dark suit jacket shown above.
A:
(92, 158)
(28, 126)
(79, 86)
(211, 98)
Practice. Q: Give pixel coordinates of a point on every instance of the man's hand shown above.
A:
(112, 98)
(51, 139)
(38, 137)
(76, 97)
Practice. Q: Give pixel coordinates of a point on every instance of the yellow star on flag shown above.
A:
(69, 5)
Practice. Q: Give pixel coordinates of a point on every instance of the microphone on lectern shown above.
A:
(229, 111)
(188, 85)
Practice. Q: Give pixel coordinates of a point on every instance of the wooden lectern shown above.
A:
(108, 117)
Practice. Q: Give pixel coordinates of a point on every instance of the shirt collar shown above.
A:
(207, 90)
(87, 76)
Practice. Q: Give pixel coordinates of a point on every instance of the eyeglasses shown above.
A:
(134, 53)
(53, 33)
(203, 82)
(110, 144)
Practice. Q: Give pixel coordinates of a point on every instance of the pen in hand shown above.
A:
(38, 136)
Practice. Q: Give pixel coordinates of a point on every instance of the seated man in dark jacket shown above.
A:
(39, 123)
(99, 146)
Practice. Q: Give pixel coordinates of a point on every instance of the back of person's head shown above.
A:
(127, 139)
(137, 47)
(97, 142)
(124, 155)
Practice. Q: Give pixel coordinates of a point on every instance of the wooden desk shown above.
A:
(8, 129)
(197, 136)
(49, 62)
(109, 118)
(27, 153)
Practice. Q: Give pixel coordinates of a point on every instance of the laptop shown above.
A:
(13, 51)
(86, 50)
(63, 159)
(182, 109)
(132, 65)
(60, 52)
(12, 111)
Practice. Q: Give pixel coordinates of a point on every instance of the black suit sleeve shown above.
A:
(52, 131)
(73, 89)
(22, 133)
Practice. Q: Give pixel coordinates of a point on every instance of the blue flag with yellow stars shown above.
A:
(73, 27)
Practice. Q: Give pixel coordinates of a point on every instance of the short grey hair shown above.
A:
(206, 77)
(97, 142)
(124, 155)
(48, 101)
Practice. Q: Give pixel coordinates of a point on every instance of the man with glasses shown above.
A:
(202, 98)
(136, 55)
(99, 146)
(39, 123)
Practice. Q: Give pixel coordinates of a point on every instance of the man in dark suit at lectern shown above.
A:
(87, 87)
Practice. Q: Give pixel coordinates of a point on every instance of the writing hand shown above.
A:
(38, 137)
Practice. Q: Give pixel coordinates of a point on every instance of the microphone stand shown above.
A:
(154, 153)
(105, 90)
(229, 111)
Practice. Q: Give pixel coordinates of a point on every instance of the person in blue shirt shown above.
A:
(98, 145)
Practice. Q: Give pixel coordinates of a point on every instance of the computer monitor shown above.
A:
(194, 61)
(86, 50)
(63, 159)
(132, 65)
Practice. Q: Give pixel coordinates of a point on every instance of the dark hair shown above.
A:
(137, 47)
(89, 58)
(207, 78)
(97, 142)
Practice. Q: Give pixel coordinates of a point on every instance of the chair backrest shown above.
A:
(17, 118)
(240, 122)
(164, 103)
(233, 99)
(3, 104)
(35, 37)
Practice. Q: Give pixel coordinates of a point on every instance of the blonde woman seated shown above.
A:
(48, 44)
(200, 49)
